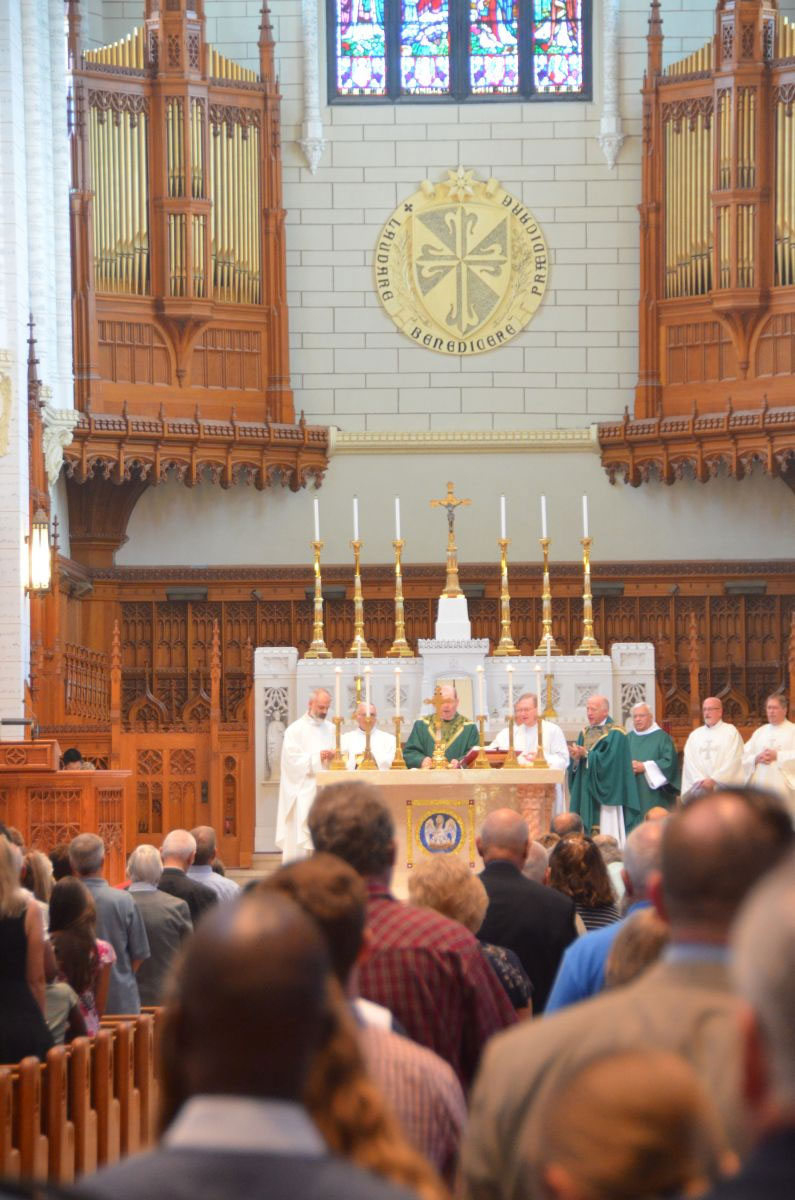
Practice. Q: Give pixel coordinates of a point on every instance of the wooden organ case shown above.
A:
(717, 230)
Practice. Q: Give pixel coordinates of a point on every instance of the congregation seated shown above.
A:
(420, 1088)
(577, 869)
(248, 1013)
(427, 970)
(448, 886)
(23, 1029)
(166, 920)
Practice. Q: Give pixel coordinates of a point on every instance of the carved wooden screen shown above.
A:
(177, 225)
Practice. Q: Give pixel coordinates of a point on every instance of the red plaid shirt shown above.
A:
(432, 974)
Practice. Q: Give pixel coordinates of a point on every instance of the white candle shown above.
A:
(367, 673)
(397, 518)
(397, 691)
(503, 534)
(585, 516)
(509, 669)
(549, 655)
(356, 518)
(538, 689)
(317, 520)
(481, 704)
(338, 691)
(543, 516)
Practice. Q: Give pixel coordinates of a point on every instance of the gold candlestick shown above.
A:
(549, 713)
(481, 762)
(589, 644)
(539, 760)
(357, 684)
(511, 758)
(359, 647)
(400, 647)
(398, 762)
(318, 647)
(368, 762)
(338, 762)
(505, 645)
(546, 606)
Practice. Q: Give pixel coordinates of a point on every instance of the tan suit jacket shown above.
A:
(683, 1007)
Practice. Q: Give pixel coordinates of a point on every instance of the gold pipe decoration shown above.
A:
(368, 762)
(506, 643)
(398, 762)
(400, 647)
(318, 647)
(481, 761)
(547, 636)
(359, 647)
(589, 644)
(338, 762)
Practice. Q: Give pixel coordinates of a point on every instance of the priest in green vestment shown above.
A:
(654, 761)
(458, 735)
(601, 779)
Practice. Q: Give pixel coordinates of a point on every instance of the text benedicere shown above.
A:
(769, 755)
(601, 779)
(458, 735)
(308, 747)
(352, 743)
(654, 761)
(713, 752)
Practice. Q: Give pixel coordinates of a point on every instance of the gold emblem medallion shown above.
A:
(461, 266)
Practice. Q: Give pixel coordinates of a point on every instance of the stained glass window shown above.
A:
(361, 48)
(557, 46)
(458, 50)
(494, 47)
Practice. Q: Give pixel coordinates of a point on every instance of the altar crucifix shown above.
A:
(438, 760)
(450, 503)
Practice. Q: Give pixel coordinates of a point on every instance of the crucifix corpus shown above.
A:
(450, 503)
(438, 760)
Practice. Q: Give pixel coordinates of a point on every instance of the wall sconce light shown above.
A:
(40, 555)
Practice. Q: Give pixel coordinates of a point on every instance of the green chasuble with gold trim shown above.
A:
(458, 737)
(659, 747)
(604, 777)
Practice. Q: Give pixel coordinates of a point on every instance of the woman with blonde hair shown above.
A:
(635, 1125)
(447, 885)
(22, 988)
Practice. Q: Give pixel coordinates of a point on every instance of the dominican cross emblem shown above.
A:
(462, 258)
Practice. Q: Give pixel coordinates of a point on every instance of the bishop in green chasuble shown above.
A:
(654, 761)
(458, 734)
(601, 770)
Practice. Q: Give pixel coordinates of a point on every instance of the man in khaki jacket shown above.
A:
(712, 854)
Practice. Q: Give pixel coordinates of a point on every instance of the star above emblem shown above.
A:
(460, 184)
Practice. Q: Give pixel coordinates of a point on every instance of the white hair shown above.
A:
(536, 863)
(87, 853)
(643, 852)
(763, 966)
(145, 865)
(178, 844)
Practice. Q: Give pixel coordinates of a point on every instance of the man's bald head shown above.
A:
(657, 813)
(247, 1004)
(565, 824)
(206, 844)
(504, 835)
(713, 852)
(712, 710)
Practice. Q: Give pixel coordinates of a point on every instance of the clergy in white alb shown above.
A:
(308, 747)
(382, 745)
(713, 752)
(525, 740)
(769, 756)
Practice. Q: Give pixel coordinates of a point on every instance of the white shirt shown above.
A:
(382, 747)
(303, 742)
(778, 776)
(242, 1123)
(227, 889)
(713, 752)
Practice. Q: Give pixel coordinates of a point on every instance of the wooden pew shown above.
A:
(82, 1107)
(59, 1129)
(9, 1153)
(106, 1101)
(28, 1136)
(124, 1083)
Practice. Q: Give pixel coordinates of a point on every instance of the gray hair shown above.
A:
(145, 865)
(87, 853)
(504, 829)
(763, 966)
(178, 844)
(536, 863)
(642, 704)
(643, 853)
